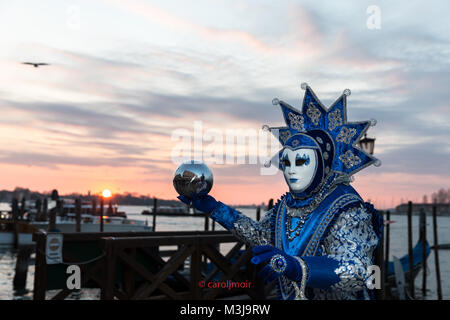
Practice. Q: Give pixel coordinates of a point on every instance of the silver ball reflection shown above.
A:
(193, 178)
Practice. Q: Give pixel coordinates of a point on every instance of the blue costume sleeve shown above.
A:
(249, 231)
(347, 253)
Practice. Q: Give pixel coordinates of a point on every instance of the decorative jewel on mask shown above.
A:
(278, 263)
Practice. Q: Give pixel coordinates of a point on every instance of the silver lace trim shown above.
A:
(300, 292)
(320, 196)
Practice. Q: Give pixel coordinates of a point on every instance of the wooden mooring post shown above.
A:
(410, 251)
(423, 236)
(436, 254)
(78, 214)
(155, 207)
(102, 205)
(94, 207)
(22, 208)
(270, 205)
(387, 243)
(38, 205)
(206, 222)
(258, 213)
(45, 209)
(52, 222)
(20, 276)
(15, 217)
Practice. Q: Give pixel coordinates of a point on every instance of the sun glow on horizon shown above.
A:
(106, 193)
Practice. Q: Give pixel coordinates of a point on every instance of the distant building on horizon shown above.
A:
(443, 209)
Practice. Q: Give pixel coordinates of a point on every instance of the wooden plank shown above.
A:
(96, 236)
(228, 256)
(233, 271)
(147, 275)
(171, 266)
(107, 290)
(128, 276)
(86, 275)
(195, 272)
(151, 241)
(217, 258)
(160, 262)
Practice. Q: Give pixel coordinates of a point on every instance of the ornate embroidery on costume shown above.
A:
(313, 113)
(334, 119)
(253, 232)
(351, 242)
(296, 121)
(346, 134)
(284, 135)
(349, 159)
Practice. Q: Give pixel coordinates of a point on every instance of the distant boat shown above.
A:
(167, 210)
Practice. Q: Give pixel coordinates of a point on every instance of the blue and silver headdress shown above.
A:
(325, 130)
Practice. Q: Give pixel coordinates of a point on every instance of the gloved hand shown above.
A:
(205, 203)
(278, 263)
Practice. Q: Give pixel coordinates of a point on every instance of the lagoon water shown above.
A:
(398, 248)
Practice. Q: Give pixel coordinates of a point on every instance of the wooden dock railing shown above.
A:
(133, 266)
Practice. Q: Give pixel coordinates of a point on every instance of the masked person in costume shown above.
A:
(319, 239)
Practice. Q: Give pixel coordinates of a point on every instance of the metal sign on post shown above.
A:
(53, 248)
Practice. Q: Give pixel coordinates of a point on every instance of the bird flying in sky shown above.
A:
(36, 64)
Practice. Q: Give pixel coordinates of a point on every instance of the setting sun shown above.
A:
(106, 193)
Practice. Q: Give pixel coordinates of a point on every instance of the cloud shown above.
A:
(54, 161)
(116, 103)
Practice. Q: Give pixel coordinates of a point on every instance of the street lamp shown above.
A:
(367, 144)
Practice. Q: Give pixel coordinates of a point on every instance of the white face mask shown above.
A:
(299, 168)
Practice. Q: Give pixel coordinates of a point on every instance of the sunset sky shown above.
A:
(126, 75)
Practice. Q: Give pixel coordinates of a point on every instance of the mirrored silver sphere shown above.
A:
(193, 178)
